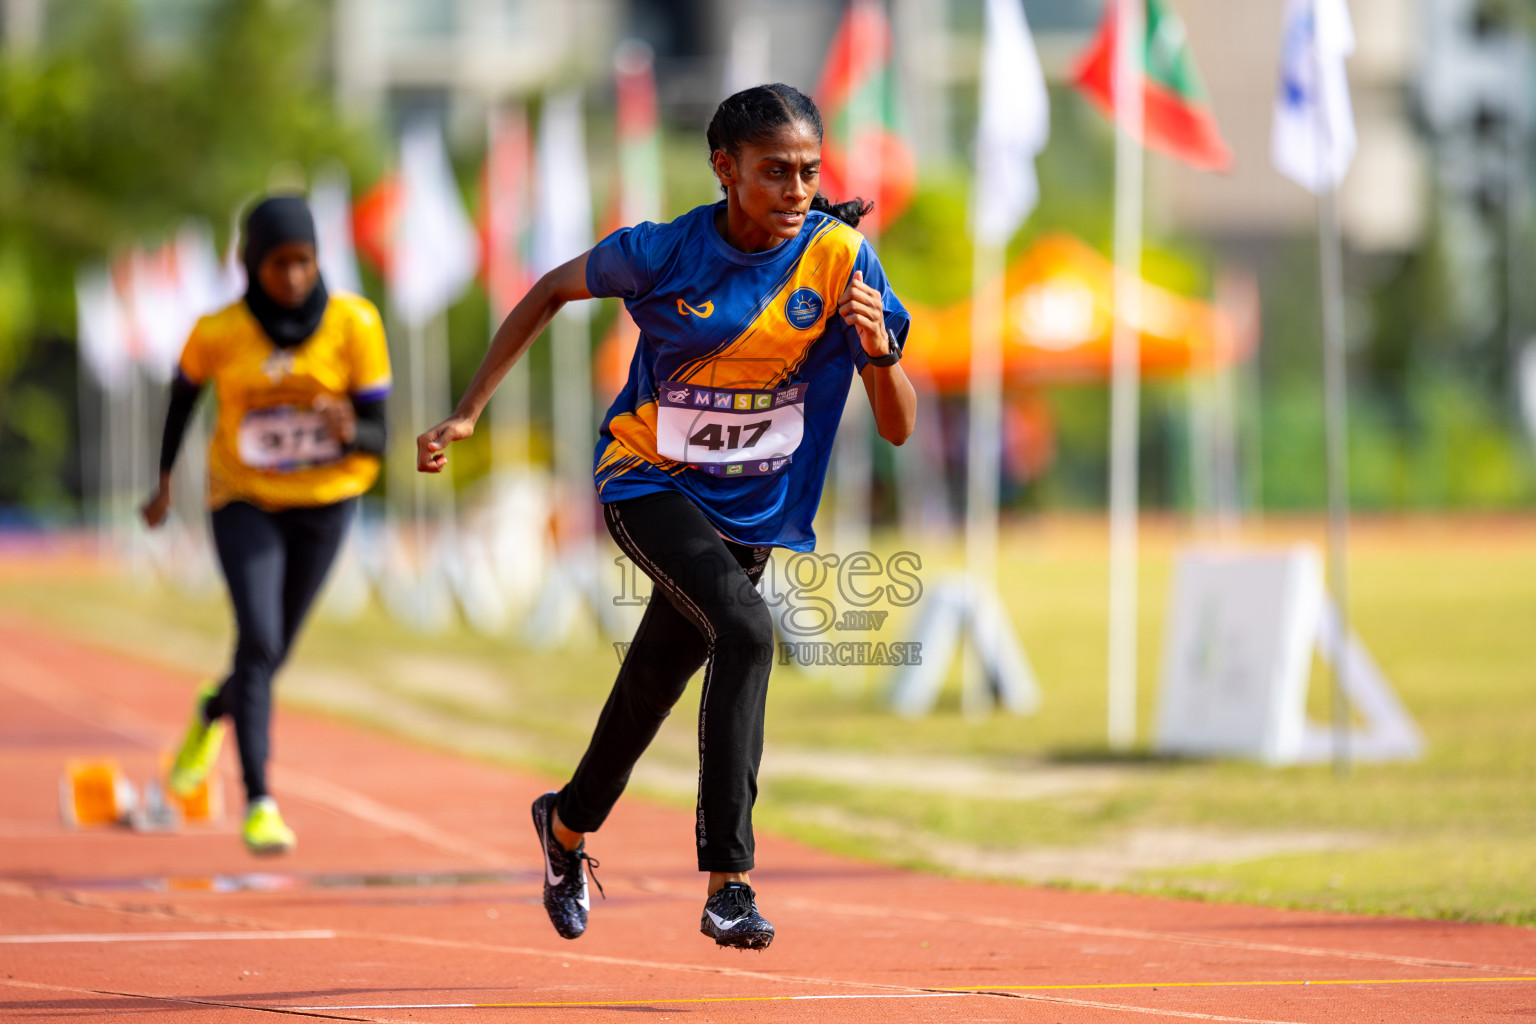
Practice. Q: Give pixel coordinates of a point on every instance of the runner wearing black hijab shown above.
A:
(301, 377)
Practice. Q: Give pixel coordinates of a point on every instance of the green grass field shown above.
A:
(1445, 606)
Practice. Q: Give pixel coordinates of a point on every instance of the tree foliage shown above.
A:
(107, 139)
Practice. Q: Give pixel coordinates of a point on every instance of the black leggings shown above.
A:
(705, 611)
(274, 563)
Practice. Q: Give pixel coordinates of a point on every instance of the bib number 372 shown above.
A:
(285, 438)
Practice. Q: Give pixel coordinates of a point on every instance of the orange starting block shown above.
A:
(204, 804)
(98, 792)
(95, 792)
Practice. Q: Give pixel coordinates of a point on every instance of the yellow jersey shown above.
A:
(270, 447)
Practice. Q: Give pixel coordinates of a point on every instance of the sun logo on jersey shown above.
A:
(803, 310)
(278, 365)
(702, 311)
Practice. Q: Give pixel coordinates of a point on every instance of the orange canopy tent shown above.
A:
(1059, 320)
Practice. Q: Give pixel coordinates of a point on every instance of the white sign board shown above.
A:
(1243, 627)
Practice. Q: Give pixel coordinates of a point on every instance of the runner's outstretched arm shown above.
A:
(566, 283)
(890, 392)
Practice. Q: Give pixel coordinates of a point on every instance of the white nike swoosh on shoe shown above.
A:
(723, 925)
(549, 871)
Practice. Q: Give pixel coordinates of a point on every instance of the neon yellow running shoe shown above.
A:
(199, 749)
(265, 833)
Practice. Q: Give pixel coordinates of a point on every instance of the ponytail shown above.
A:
(850, 213)
(754, 116)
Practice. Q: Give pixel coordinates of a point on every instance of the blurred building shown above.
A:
(395, 59)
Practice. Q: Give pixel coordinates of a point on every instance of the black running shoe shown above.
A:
(565, 884)
(731, 918)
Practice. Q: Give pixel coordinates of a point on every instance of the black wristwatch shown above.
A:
(891, 358)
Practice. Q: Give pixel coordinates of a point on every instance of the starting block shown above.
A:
(95, 793)
(99, 792)
(204, 804)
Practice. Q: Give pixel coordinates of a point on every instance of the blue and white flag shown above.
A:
(1313, 137)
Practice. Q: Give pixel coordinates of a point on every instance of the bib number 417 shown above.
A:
(715, 437)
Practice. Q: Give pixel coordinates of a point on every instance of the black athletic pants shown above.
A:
(274, 563)
(705, 610)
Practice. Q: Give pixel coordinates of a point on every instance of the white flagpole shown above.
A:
(417, 343)
(984, 458)
(1335, 399)
(854, 471)
(1125, 380)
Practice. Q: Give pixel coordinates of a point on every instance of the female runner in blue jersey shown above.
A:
(754, 315)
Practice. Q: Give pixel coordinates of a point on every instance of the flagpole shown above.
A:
(983, 448)
(1125, 382)
(983, 461)
(1335, 414)
(417, 342)
(854, 471)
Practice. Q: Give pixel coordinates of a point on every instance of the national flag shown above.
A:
(150, 289)
(505, 210)
(102, 327)
(1014, 124)
(865, 151)
(640, 177)
(373, 222)
(330, 200)
(1313, 140)
(205, 283)
(1177, 114)
(639, 195)
(436, 252)
(563, 222)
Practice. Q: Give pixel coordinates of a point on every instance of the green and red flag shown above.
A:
(865, 151)
(374, 214)
(1177, 114)
(640, 194)
(506, 209)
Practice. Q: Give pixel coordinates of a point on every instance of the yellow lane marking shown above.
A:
(1222, 984)
(930, 994)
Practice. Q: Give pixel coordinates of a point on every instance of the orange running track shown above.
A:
(414, 895)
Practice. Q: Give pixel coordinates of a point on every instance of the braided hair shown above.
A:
(755, 116)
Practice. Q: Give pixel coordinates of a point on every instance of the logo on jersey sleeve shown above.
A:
(702, 311)
(803, 309)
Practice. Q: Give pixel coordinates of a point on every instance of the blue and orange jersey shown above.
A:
(733, 347)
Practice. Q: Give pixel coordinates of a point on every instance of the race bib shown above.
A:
(283, 438)
(729, 431)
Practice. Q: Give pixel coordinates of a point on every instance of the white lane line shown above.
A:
(391, 1006)
(1103, 931)
(889, 995)
(28, 940)
(350, 802)
(1125, 1008)
(642, 1002)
